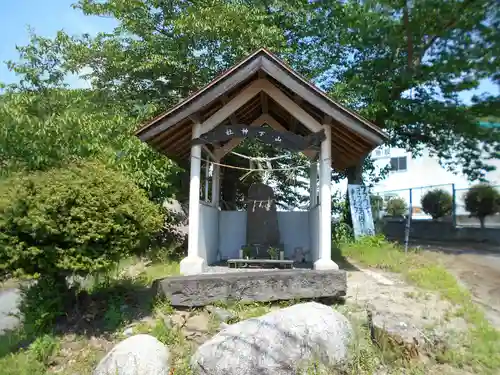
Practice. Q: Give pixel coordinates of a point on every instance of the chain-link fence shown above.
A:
(404, 202)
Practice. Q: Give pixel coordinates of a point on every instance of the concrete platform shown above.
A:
(263, 286)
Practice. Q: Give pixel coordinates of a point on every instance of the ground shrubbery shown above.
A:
(437, 203)
(69, 221)
(482, 200)
(396, 206)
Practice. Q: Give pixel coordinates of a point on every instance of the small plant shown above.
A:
(273, 252)
(482, 200)
(247, 252)
(437, 203)
(396, 206)
(341, 233)
(41, 304)
(43, 348)
(114, 317)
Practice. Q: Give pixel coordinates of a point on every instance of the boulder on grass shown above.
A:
(280, 343)
(139, 354)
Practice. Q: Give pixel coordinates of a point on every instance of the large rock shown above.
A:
(139, 354)
(405, 336)
(279, 343)
(205, 289)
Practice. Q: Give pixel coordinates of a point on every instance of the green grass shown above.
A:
(481, 348)
(22, 354)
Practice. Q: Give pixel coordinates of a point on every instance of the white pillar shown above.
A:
(193, 263)
(324, 261)
(216, 185)
(313, 184)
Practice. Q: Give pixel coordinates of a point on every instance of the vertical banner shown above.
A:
(361, 210)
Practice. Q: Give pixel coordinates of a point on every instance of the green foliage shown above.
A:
(113, 317)
(273, 252)
(247, 251)
(404, 64)
(482, 200)
(401, 64)
(377, 205)
(42, 130)
(437, 203)
(44, 347)
(341, 233)
(79, 219)
(396, 206)
(421, 269)
(41, 304)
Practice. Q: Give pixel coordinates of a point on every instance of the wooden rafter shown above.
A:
(261, 120)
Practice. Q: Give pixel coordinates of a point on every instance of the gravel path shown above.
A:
(9, 299)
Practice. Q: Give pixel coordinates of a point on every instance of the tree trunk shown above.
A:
(481, 221)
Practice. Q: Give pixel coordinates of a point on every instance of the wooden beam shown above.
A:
(233, 105)
(293, 121)
(204, 98)
(321, 103)
(223, 150)
(293, 124)
(232, 116)
(293, 108)
(273, 123)
(248, 93)
(209, 153)
(264, 103)
(261, 120)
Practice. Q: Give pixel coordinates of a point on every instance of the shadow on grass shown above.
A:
(341, 260)
(106, 308)
(102, 311)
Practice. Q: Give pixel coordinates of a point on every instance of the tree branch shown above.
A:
(446, 27)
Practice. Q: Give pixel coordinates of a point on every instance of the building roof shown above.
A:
(283, 96)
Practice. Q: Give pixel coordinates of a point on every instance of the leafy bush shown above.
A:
(44, 347)
(482, 200)
(377, 205)
(41, 304)
(74, 220)
(396, 206)
(341, 233)
(437, 203)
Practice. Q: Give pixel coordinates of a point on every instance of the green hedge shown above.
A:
(74, 220)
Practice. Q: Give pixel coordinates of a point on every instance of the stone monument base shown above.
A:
(192, 265)
(262, 286)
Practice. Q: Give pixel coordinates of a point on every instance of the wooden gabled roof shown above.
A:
(352, 135)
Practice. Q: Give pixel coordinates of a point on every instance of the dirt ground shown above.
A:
(477, 266)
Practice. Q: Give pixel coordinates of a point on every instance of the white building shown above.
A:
(421, 173)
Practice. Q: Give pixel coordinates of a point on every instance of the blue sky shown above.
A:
(46, 17)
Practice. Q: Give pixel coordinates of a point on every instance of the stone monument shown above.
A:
(262, 218)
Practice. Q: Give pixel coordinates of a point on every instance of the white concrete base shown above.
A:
(325, 264)
(192, 266)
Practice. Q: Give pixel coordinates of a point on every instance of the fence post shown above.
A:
(408, 222)
(453, 205)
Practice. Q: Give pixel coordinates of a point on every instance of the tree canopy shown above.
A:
(402, 64)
